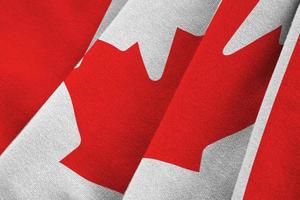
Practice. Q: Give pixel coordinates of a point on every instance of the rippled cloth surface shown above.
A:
(149, 100)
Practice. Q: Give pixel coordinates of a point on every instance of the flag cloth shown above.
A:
(149, 100)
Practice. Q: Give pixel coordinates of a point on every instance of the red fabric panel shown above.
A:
(41, 41)
(276, 170)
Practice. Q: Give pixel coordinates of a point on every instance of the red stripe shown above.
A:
(41, 41)
(276, 170)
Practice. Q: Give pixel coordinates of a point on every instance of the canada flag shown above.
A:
(146, 100)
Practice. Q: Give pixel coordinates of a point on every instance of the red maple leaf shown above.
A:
(118, 108)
